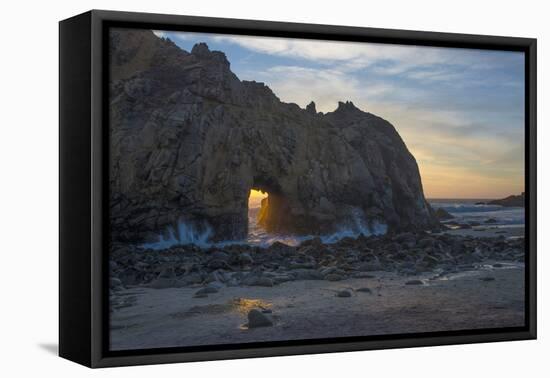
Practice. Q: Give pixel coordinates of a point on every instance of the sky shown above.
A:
(255, 198)
(459, 111)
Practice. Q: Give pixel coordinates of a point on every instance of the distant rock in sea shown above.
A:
(189, 140)
(443, 214)
(510, 201)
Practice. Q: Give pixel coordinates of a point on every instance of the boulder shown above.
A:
(218, 264)
(262, 281)
(343, 294)
(370, 266)
(115, 284)
(245, 258)
(486, 279)
(334, 277)
(364, 290)
(192, 278)
(201, 293)
(163, 283)
(306, 274)
(257, 318)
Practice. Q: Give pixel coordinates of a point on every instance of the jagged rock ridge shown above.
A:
(189, 140)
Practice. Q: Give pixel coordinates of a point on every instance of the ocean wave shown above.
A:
(481, 213)
(264, 239)
(185, 234)
(354, 228)
(257, 236)
(466, 208)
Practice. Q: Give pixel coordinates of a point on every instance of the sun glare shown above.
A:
(255, 198)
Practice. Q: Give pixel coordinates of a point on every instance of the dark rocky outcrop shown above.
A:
(443, 214)
(406, 254)
(188, 140)
(510, 201)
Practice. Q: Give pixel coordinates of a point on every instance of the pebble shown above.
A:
(215, 285)
(209, 290)
(217, 264)
(219, 255)
(202, 293)
(343, 294)
(245, 258)
(487, 279)
(334, 277)
(364, 290)
(162, 283)
(306, 274)
(363, 275)
(262, 281)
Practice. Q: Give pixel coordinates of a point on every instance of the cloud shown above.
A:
(351, 56)
(459, 154)
(434, 75)
(356, 54)
(182, 36)
(324, 86)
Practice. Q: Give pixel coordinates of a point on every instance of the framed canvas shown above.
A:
(234, 188)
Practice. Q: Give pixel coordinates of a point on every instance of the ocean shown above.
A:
(258, 236)
(464, 211)
(473, 211)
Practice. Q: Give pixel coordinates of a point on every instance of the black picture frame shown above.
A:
(83, 228)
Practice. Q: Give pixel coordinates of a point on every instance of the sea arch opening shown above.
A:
(267, 211)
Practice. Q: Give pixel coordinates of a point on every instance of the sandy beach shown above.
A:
(381, 285)
(485, 294)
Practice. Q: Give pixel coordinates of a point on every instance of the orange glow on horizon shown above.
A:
(457, 182)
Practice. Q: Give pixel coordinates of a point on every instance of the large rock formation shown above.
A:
(510, 201)
(189, 140)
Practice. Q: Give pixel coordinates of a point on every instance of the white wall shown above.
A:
(28, 189)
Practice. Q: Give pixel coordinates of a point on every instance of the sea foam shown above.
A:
(257, 236)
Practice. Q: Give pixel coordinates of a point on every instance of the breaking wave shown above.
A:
(470, 211)
(185, 234)
(354, 228)
(257, 236)
(467, 207)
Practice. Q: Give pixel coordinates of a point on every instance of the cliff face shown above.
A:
(189, 140)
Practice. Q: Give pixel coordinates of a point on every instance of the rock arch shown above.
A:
(189, 140)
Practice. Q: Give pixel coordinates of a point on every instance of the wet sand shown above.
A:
(480, 297)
